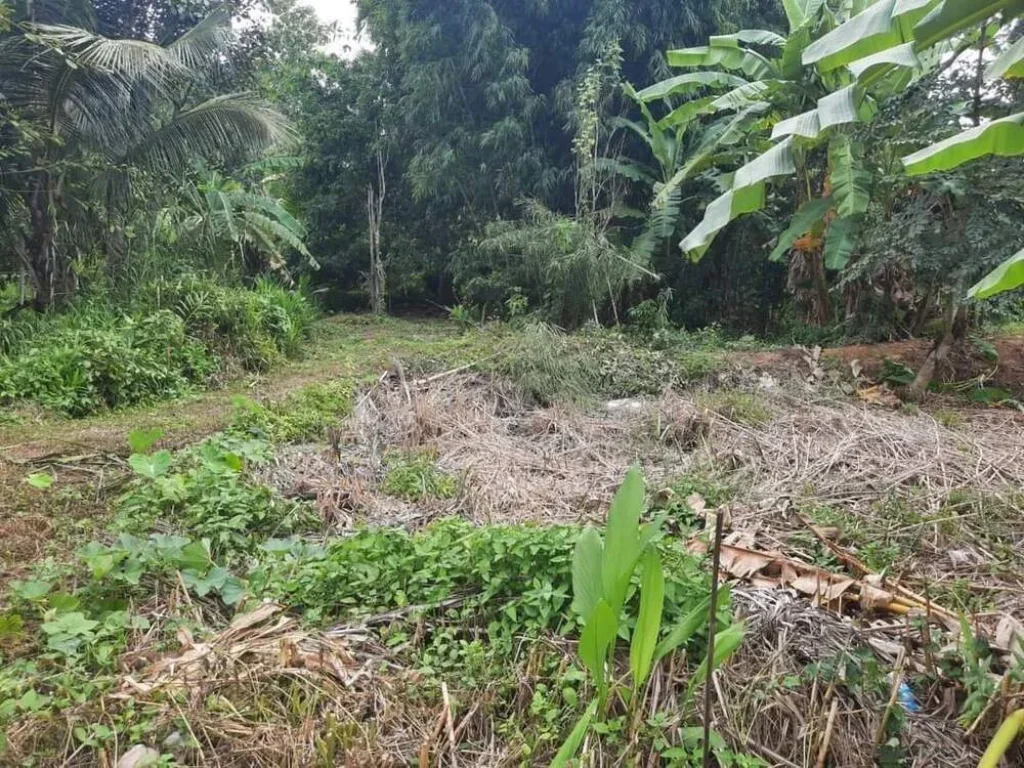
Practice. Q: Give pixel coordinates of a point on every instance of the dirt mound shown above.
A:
(964, 364)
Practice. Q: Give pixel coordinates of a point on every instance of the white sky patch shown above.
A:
(343, 13)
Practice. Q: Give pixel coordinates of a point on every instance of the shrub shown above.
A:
(255, 326)
(92, 360)
(302, 416)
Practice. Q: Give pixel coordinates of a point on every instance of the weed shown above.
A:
(303, 416)
(416, 478)
(203, 492)
(948, 418)
(89, 361)
(736, 406)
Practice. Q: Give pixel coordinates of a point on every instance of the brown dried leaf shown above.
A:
(879, 394)
(872, 598)
(1010, 635)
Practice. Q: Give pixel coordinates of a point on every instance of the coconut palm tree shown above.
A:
(84, 115)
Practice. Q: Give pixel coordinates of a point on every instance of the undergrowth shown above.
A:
(416, 478)
(302, 416)
(168, 340)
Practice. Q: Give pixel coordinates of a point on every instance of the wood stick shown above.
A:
(448, 724)
(827, 741)
(897, 681)
(716, 564)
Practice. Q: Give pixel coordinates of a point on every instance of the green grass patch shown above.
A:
(416, 478)
(736, 406)
(302, 416)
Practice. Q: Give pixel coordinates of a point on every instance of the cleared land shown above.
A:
(402, 589)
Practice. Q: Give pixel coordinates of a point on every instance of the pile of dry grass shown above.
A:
(768, 703)
(517, 462)
(837, 452)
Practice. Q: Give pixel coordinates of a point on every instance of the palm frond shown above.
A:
(200, 45)
(220, 126)
(130, 60)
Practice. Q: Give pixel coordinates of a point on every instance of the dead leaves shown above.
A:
(773, 570)
(264, 641)
(879, 394)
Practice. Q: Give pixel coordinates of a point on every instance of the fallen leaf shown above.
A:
(1010, 635)
(880, 394)
(139, 756)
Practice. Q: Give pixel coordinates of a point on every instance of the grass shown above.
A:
(737, 406)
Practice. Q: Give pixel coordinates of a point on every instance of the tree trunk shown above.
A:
(938, 354)
(51, 273)
(376, 279)
(820, 298)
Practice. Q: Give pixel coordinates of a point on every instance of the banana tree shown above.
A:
(803, 110)
(682, 149)
(219, 213)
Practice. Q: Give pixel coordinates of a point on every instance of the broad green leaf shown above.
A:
(151, 467)
(1006, 277)
(805, 124)
(727, 56)
(724, 133)
(841, 240)
(648, 623)
(597, 636)
(686, 628)
(792, 53)
(571, 745)
(806, 218)
(1004, 137)
(750, 36)
(850, 182)
(719, 213)
(32, 590)
(41, 481)
(740, 98)
(726, 643)
(74, 623)
(688, 83)
(622, 540)
(586, 573)
(952, 16)
(1009, 63)
(886, 24)
(901, 56)
(801, 12)
(777, 161)
(847, 105)
(141, 440)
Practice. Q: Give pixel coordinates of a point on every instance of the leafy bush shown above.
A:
(255, 326)
(92, 360)
(203, 492)
(93, 357)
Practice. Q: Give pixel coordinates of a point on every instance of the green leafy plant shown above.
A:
(41, 481)
(416, 478)
(204, 493)
(603, 572)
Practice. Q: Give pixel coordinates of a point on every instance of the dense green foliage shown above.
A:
(175, 337)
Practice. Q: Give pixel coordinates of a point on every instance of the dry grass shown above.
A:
(837, 452)
(768, 700)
